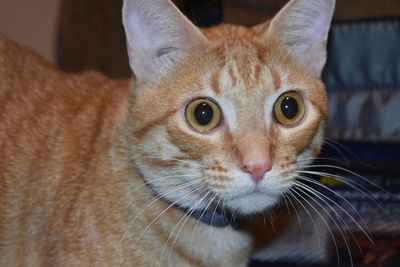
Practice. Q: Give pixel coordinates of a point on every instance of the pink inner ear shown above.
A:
(141, 55)
(304, 26)
(138, 32)
(157, 33)
(322, 23)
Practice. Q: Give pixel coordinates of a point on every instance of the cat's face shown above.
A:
(229, 123)
(218, 112)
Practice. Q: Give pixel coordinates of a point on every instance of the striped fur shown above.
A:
(88, 165)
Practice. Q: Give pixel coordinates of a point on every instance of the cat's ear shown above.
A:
(158, 34)
(303, 26)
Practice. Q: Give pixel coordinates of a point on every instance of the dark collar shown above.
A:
(211, 217)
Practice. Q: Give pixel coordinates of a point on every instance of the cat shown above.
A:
(151, 171)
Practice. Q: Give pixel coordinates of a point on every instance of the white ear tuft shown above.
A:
(303, 26)
(157, 35)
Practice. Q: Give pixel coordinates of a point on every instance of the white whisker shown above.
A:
(337, 144)
(165, 210)
(141, 153)
(284, 196)
(303, 188)
(156, 198)
(184, 218)
(155, 156)
(349, 183)
(338, 195)
(325, 222)
(334, 145)
(146, 183)
(352, 173)
(312, 221)
(197, 224)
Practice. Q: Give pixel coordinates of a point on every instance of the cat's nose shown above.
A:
(257, 168)
(255, 154)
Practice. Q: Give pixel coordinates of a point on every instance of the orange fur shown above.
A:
(78, 153)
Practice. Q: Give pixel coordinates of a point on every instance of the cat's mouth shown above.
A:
(254, 201)
(254, 193)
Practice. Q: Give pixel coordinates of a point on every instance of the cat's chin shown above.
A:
(251, 203)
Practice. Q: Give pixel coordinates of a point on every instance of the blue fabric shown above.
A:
(362, 77)
(366, 152)
(363, 56)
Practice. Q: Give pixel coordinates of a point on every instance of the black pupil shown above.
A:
(289, 107)
(203, 113)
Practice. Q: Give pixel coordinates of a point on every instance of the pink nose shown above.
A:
(257, 169)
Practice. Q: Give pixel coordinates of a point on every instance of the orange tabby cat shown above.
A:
(95, 172)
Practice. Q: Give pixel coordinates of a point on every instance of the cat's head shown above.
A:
(226, 114)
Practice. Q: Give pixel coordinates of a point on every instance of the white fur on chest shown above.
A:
(215, 246)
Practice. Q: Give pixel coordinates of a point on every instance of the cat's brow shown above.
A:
(257, 73)
(215, 82)
(276, 78)
(232, 75)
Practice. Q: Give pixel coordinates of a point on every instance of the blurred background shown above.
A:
(87, 34)
(358, 172)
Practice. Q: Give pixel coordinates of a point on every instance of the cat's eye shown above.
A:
(289, 109)
(203, 114)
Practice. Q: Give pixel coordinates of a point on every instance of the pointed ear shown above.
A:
(303, 26)
(157, 35)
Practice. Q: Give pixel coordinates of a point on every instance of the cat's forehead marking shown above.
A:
(244, 65)
(256, 83)
(276, 78)
(244, 85)
(214, 83)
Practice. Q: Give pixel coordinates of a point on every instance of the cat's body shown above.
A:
(64, 177)
(89, 166)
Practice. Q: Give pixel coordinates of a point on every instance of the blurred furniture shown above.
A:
(251, 12)
(91, 36)
(90, 33)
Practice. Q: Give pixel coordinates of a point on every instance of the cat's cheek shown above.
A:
(191, 142)
(300, 137)
(307, 156)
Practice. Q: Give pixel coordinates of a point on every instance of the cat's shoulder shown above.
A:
(28, 79)
(21, 67)
(15, 57)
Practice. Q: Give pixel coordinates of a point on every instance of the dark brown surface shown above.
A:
(91, 36)
(250, 12)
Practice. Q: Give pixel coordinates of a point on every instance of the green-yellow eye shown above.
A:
(203, 114)
(289, 109)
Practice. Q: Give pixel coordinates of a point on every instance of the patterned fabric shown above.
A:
(365, 116)
(362, 76)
